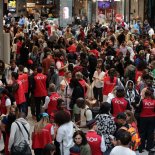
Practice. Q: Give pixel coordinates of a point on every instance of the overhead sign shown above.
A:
(65, 12)
(12, 5)
(30, 5)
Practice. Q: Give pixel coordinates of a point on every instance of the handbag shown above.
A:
(23, 148)
(90, 100)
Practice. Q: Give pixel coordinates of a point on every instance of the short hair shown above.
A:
(21, 68)
(84, 139)
(52, 87)
(120, 93)
(78, 75)
(12, 61)
(124, 136)
(59, 102)
(105, 108)
(14, 75)
(39, 69)
(48, 149)
(62, 117)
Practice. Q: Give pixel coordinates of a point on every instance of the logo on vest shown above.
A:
(119, 102)
(149, 104)
(91, 139)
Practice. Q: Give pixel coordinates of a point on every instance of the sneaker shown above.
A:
(152, 150)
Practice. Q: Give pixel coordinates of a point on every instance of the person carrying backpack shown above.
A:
(123, 125)
(20, 137)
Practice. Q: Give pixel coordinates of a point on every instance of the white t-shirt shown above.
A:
(120, 150)
(65, 137)
(98, 83)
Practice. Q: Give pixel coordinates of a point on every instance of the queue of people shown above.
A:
(89, 93)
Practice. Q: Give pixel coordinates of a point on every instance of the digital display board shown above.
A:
(12, 5)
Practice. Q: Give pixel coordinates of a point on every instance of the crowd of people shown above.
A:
(91, 91)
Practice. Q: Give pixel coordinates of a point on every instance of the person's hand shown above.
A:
(114, 142)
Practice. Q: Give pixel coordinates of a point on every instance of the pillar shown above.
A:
(1, 31)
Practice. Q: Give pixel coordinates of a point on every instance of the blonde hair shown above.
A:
(78, 75)
(41, 124)
(35, 49)
(131, 116)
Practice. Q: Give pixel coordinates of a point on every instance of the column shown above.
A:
(1, 31)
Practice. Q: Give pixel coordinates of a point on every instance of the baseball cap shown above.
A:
(91, 123)
(121, 115)
(119, 88)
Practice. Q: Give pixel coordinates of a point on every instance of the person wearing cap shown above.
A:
(5, 102)
(43, 134)
(51, 100)
(121, 120)
(96, 142)
(119, 103)
(40, 89)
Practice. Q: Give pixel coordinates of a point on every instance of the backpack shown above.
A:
(135, 139)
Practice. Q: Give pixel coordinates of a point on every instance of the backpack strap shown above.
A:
(21, 130)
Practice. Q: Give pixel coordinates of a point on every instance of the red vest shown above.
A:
(108, 85)
(3, 109)
(83, 84)
(148, 108)
(119, 105)
(19, 94)
(138, 74)
(40, 139)
(61, 72)
(40, 85)
(24, 78)
(94, 140)
(52, 106)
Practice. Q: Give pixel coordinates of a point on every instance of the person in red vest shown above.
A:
(40, 90)
(119, 103)
(110, 81)
(61, 67)
(82, 82)
(23, 77)
(96, 142)
(42, 135)
(18, 92)
(51, 100)
(5, 102)
(147, 119)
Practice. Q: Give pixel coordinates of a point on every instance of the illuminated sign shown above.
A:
(65, 13)
(30, 5)
(12, 5)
